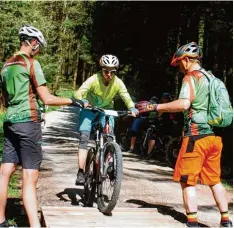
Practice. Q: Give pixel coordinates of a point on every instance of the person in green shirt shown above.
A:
(23, 84)
(200, 152)
(99, 90)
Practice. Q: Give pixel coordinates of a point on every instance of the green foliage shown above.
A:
(13, 190)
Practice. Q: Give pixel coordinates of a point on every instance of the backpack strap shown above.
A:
(208, 75)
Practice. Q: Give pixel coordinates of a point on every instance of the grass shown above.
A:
(227, 185)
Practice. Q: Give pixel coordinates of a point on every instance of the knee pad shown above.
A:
(84, 139)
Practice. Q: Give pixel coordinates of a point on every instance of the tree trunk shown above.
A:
(75, 74)
(61, 57)
(201, 32)
(83, 72)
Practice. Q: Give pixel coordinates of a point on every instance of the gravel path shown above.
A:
(146, 184)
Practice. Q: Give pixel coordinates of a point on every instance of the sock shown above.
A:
(224, 217)
(81, 171)
(192, 218)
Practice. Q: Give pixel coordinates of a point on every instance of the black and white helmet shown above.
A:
(109, 61)
(30, 31)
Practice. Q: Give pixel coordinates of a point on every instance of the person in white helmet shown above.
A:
(99, 90)
(23, 84)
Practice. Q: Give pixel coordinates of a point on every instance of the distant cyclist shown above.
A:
(99, 90)
(138, 124)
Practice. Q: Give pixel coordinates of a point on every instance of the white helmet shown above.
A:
(109, 61)
(30, 31)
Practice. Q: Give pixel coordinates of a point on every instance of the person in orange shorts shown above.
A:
(200, 153)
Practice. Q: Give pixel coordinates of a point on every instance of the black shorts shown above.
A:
(22, 144)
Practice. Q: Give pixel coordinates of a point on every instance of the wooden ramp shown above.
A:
(53, 216)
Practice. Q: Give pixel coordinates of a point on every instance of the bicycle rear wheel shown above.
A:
(90, 182)
(110, 184)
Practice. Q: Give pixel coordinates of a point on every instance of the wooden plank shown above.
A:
(91, 217)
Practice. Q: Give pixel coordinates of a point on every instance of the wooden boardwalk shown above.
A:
(53, 216)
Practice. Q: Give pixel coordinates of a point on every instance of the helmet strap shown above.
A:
(34, 48)
(190, 65)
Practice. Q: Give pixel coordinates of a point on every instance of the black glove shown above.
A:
(77, 102)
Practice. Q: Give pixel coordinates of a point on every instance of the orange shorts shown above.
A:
(199, 157)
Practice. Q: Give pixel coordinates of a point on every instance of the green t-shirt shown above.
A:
(102, 96)
(195, 88)
(20, 76)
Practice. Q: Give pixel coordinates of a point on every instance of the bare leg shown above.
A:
(189, 197)
(220, 196)
(6, 170)
(151, 144)
(30, 178)
(133, 142)
(82, 156)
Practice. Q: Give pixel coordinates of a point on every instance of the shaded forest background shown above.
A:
(143, 35)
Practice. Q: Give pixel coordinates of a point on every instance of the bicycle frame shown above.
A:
(103, 135)
(104, 164)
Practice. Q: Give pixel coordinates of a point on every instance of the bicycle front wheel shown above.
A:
(110, 183)
(90, 182)
(172, 151)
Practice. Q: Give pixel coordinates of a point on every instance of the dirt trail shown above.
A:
(145, 184)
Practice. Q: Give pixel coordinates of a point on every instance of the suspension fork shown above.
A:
(101, 150)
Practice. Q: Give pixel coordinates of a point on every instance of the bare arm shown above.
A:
(174, 106)
(49, 99)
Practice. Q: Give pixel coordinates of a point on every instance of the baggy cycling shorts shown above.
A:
(199, 157)
(23, 144)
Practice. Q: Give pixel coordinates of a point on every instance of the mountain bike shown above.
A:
(161, 140)
(104, 164)
(172, 150)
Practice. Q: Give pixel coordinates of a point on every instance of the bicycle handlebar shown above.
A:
(109, 112)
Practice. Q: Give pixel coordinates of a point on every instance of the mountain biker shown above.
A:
(22, 82)
(137, 122)
(200, 151)
(99, 90)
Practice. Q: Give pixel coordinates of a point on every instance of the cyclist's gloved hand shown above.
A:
(134, 111)
(146, 106)
(86, 103)
(77, 102)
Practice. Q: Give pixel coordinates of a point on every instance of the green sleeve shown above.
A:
(82, 92)
(38, 74)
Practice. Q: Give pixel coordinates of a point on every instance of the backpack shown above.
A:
(220, 111)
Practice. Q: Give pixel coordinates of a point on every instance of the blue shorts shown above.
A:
(88, 118)
(136, 124)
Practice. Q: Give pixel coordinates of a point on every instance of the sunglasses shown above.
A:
(109, 71)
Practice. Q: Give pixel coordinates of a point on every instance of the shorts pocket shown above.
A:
(190, 164)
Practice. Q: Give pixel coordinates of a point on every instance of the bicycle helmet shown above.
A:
(109, 61)
(190, 50)
(154, 99)
(167, 96)
(28, 31)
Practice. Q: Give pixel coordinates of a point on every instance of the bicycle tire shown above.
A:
(143, 148)
(124, 142)
(172, 151)
(90, 182)
(117, 163)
